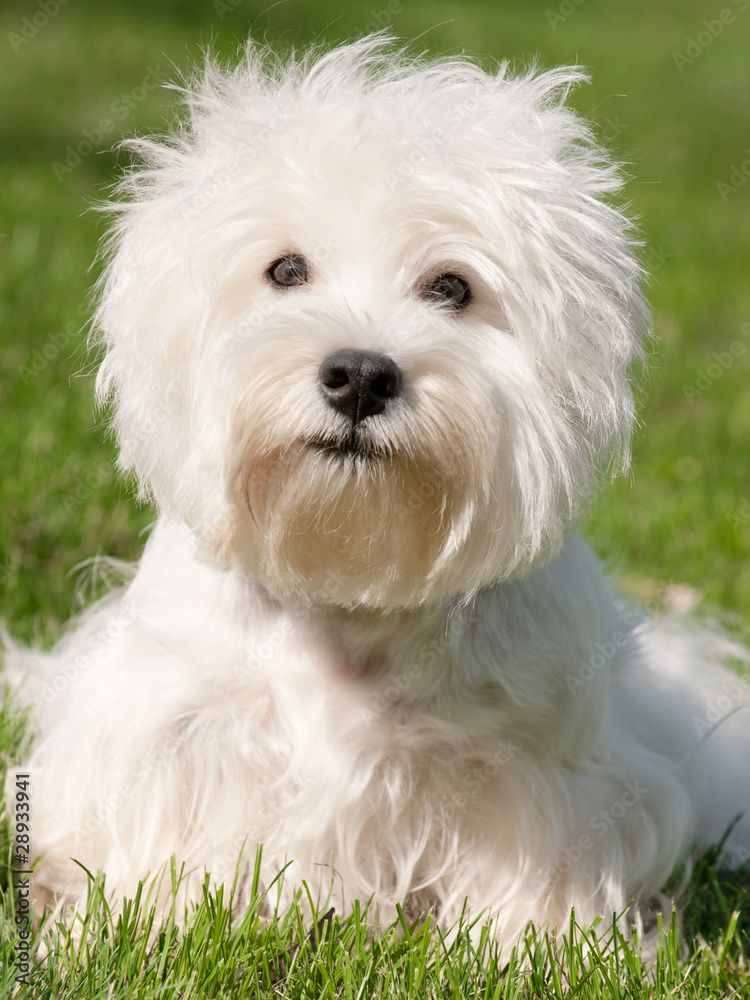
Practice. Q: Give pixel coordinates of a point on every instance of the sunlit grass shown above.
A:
(213, 951)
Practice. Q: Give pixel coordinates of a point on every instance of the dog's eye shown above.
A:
(448, 289)
(289, 272)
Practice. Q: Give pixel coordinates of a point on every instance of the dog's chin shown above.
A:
(345, 520)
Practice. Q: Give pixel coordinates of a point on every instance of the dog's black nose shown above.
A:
(359, 383)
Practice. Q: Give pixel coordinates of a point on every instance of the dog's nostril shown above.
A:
(359, 384)
(385, 386)
(336, 378)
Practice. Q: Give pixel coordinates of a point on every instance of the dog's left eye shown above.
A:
(448, 289)
(289, 272)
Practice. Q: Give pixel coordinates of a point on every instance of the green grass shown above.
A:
(217, 955)
(209, 951)
(682, 517)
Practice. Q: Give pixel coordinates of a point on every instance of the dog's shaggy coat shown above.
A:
(374, 643)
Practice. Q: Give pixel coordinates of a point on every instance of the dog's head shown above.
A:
(368, 323)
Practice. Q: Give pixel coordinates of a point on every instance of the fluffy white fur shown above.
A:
(394, 666)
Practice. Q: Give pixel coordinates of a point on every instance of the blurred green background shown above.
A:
(670, 94)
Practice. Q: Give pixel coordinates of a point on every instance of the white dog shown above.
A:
(368, 322)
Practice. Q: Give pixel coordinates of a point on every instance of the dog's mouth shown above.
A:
(351, 448)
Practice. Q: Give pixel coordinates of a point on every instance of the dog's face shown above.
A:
(368, 326)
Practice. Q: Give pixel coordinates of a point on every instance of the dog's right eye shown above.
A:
(449, 290)
(289, 272)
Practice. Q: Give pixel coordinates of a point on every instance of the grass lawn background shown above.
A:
(670, 94)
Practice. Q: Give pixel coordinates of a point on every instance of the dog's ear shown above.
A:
(585, 304)
(165, 261)
(565, 257)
